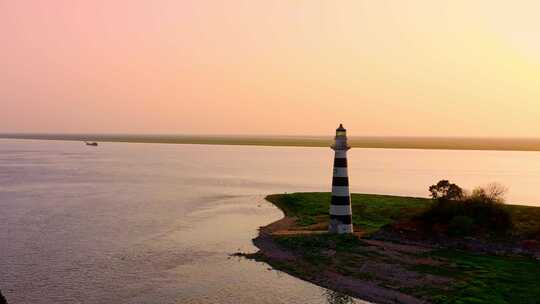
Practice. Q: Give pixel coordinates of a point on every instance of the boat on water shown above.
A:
(91, 143)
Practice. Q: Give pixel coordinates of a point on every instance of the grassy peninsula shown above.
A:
(388, 260)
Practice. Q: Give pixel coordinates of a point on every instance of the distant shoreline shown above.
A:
(435, 143)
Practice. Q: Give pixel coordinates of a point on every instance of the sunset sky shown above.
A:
(412, 68)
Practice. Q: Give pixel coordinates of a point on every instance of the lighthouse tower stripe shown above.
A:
(340, 162)
(343, 219)
(341, 154)
(340, 210)
(340, 200)
(340, 191)
(340, 181)
(340, 172)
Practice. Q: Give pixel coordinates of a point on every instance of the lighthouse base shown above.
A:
(339, 228)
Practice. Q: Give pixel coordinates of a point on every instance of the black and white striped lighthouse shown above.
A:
(340, 206)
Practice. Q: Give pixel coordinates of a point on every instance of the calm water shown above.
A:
(150, 223)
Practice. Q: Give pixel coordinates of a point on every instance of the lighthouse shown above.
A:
(340, 205)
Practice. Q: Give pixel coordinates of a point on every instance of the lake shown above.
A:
(156, 223)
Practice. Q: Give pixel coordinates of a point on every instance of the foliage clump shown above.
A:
(444, 190)
(463, 214)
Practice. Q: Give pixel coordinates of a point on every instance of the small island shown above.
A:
(403, 249)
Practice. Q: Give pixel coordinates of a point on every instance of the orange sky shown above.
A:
(433, 68)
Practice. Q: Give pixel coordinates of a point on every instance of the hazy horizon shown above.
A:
(384, 142)
(330, 135)
(382, 68)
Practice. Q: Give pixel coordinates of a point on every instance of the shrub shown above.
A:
(489, 214)
(461, 225)
(444, 190)
(484, 210)
(493, 192)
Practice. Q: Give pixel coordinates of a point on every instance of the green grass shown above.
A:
(525, 220)
(485, 278)
(347, 252)
(370, 211)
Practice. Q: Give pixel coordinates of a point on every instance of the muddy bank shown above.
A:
(293, 263)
